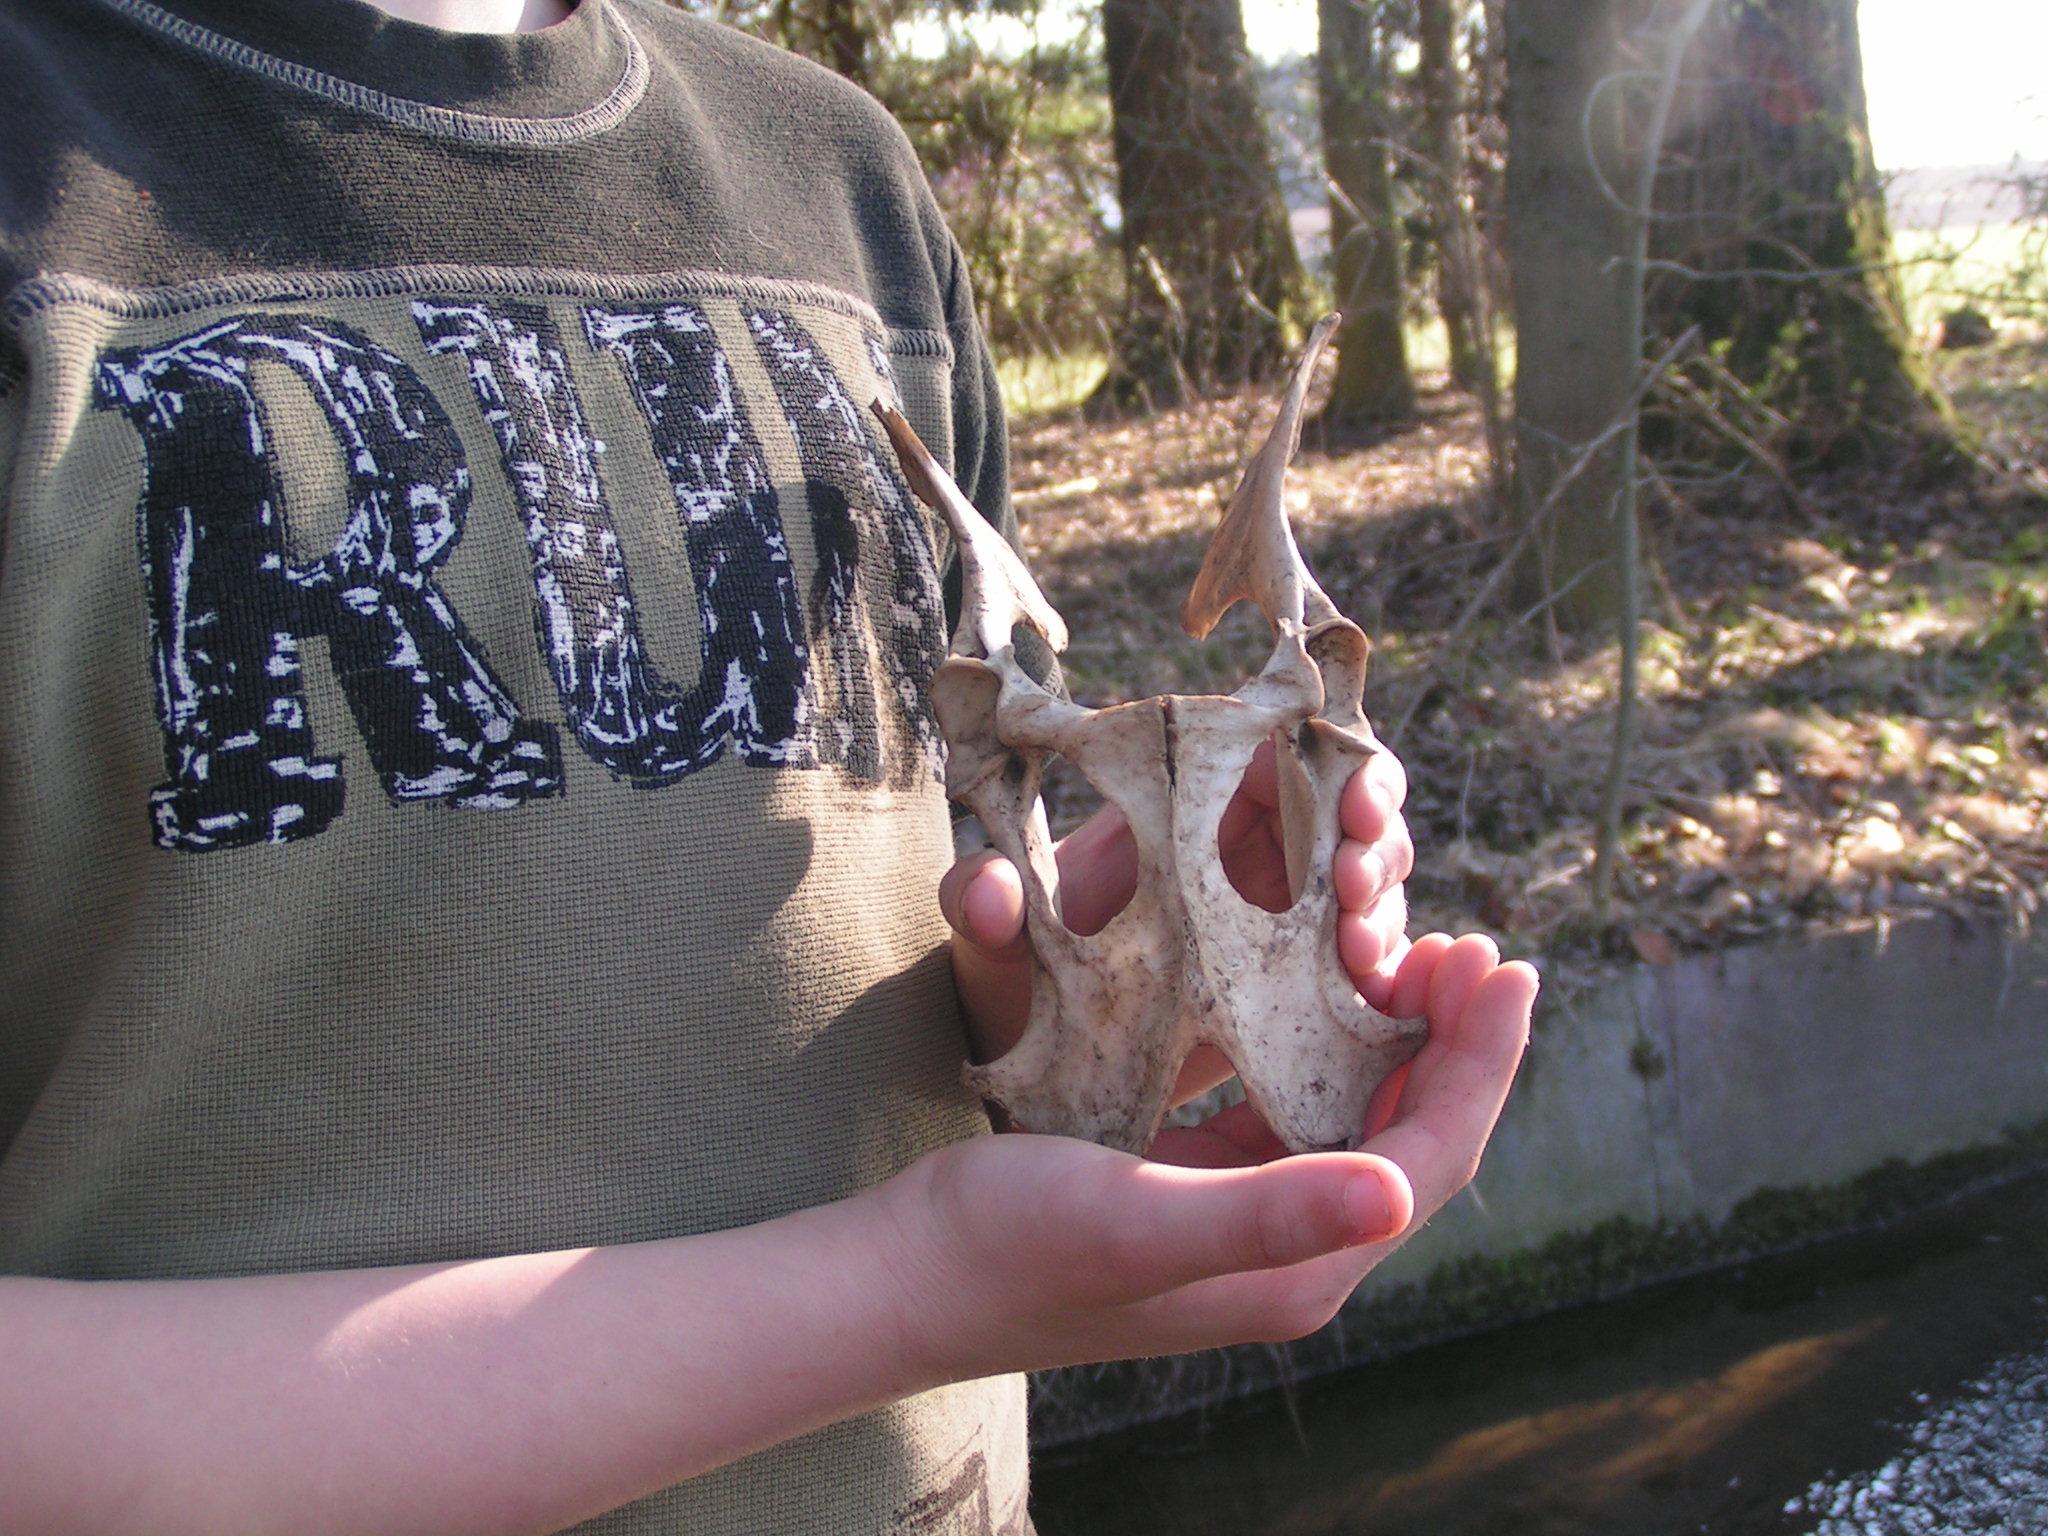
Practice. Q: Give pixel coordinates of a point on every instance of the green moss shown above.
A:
(1622, 1255)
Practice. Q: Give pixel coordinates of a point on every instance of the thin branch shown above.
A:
(1774, 274)
(1531, 525)
(1629, 533)
(1690, 396)
(1600, 89)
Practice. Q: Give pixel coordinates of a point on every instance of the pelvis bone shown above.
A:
(1189, 960)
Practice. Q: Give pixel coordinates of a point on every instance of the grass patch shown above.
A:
(1039, 384)
(2001, 269)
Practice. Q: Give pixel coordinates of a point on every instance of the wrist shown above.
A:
(928, 1306)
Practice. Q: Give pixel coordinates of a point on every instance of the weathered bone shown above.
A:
(1189, 961)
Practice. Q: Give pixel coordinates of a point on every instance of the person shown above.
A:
(481, 1052)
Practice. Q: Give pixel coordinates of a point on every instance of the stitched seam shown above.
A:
(424, 117)
(52, 290)
(912, 343)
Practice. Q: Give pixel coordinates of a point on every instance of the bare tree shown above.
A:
(1569, 242)
(1373, 382)
(1772, 237)
(843, 35)
(1451, 219)
(1210, 263)
(844, 32)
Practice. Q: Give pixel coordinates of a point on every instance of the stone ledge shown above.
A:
(1677, 1119)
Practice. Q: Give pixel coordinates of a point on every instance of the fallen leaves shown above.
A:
(1840, 721)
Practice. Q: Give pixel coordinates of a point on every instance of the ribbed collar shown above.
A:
(584, 69)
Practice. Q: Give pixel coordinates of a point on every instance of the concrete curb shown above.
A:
(1682, 1116)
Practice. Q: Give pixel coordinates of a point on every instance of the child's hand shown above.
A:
(984, 902)
(561, 1384)
(1019, 1252)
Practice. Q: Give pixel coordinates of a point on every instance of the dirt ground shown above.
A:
(1845, 700)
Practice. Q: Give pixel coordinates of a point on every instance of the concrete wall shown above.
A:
(1654, 1107)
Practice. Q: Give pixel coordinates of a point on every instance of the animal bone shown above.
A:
(1189, 961)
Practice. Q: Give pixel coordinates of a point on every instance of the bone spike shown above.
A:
(1253, 553)
(997, 591)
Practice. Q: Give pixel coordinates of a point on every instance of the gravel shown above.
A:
(1975, 1463)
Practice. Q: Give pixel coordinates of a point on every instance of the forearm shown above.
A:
(502, 1395)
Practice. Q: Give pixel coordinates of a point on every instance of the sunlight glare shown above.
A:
(1958, 84)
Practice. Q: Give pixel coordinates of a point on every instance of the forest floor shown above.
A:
(1845, 694)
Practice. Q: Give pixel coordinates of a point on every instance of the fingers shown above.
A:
(1469, 961)
(1249, 836)
(1431, 1119)
(1437, 1144)
(1372, 864)
(1409, 997)
(1376, 856)
(1270, 1303)
(1098, 865)
(983, 901)
(1456, 1086)
(1386, 1099)
(1427, 1139)
(1373, 798)
(1261, 784)
(1372, 943)
(982, 896)
(1364, 872)
(1378, 987)
(1237, 1137)
(1401, 990)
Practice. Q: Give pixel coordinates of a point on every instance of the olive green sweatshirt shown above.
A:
(466, 780)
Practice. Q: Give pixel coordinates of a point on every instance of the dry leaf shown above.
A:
(1652, 947)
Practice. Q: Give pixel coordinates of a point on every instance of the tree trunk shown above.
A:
(1373, 383)
(836, 33)
(1212, 273)
(1487, 142)
(846, 39)
(1774, 198)
(1451, 220)
(1569, 245)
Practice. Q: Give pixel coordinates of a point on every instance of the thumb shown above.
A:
(1173, 1226)
(983, 902)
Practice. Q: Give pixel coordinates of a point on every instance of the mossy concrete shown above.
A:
(1683, 1117)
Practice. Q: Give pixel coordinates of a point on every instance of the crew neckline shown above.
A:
(576, 77)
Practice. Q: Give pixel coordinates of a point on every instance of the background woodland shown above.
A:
(1695, 509)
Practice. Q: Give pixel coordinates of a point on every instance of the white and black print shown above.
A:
(756, 657)
(231, 610)
(624, 713)
(857, 497)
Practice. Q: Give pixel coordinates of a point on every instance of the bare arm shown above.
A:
(523, 1394)
(503, 1395)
